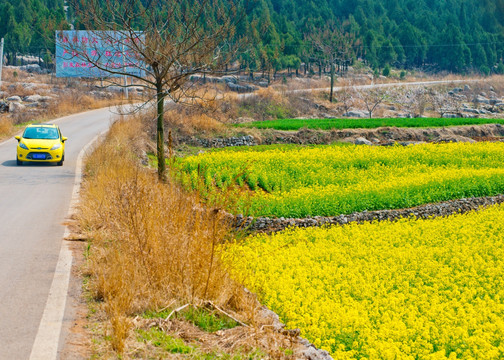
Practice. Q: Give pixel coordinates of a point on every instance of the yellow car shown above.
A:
(41, 143)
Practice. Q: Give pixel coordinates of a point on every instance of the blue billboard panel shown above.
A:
(97, 54)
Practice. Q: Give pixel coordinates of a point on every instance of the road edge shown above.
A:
(46, 344)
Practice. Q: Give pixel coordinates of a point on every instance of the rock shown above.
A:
(457, 90)
(14, 99)
(32, 68)
(467, 88)
(362, 141)
(116, 89)
(28, 86)
(29, 59)
(312, 353)
(268, 316)
(4, 106)
(241, 88)
(263, 84)
(32, 105)
(450, 116)
(473, 111)
(453, 138)
(101, 94)
(15, 107)
(355, 113)
(32, 98)
(408, 143)
(481, 99)
(229, 79)
(46, 98)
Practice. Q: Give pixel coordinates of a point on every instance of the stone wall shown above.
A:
(379, 136)
(246, 140)
(263, 224)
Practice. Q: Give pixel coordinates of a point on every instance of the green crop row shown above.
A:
(338, 124)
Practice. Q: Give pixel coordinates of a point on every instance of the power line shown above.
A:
(402, 46)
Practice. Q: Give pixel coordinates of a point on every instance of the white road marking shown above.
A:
(46, 342)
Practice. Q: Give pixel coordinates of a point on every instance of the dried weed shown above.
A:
(150, 242)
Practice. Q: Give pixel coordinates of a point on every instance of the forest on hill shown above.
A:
(452, 35)
(28, 26)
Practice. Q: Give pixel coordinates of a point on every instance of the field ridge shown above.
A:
(427, 211)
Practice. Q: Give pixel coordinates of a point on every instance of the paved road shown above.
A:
(34, 201)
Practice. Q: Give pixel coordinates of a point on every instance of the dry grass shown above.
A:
(195, 120)
(150, 243)
(5, 127)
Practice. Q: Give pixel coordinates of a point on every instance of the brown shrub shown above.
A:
(6, 127)
(150, 243)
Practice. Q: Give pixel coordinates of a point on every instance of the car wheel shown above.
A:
(19, 162)
(60, 163)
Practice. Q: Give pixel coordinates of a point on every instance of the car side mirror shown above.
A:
(18, 138)
(64, 139)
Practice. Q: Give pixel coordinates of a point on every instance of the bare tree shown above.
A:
(164, 42)
(413, 101)
(333, 45)
(346, 99)
(372, 98)
(443, 103)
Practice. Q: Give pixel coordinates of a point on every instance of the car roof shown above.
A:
(43, 125)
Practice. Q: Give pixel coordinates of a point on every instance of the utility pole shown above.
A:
(1, 59)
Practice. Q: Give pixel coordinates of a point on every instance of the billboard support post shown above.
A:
(125, 77)
(1, 59)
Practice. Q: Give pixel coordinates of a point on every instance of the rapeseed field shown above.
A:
(411, 289)
(329, 180)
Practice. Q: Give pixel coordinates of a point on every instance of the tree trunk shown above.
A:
(160, 133)
(332, 82)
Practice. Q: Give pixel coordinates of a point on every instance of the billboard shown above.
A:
(97, 54)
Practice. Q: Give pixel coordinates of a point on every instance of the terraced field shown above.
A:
(292, 181)
(412, 289)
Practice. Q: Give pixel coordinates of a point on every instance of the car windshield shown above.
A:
(41, 133)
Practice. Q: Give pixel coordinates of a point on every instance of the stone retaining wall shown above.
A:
(263, 224)
(246, 140)
(378, 136)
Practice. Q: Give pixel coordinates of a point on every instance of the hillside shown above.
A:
(452, 35)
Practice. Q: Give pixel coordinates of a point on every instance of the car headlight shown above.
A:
(23, 146)
(57, 146)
